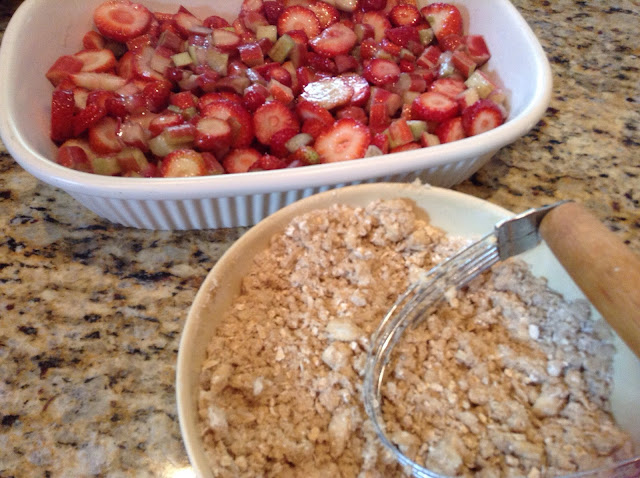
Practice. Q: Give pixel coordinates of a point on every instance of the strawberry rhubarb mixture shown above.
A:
(504, 379)
(287, 83)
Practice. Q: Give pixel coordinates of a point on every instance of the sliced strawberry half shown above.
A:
(242, 130)
(121, 20)
(346, 139)
(240, 160)
(328, 93)
(271, 118)
(103, 136)
(432, 106)
(378, 22)
(212, 134)
(327, 14)
(381, 72)
(450, 130)
(297, 17)
(483, 115)
(62, 108)
(183, 163)
(445, 19)
(404, 14)
(62, 68)
(97, 60)
(337, 39)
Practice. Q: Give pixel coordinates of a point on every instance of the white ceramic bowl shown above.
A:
(42, 30)
(456, 213)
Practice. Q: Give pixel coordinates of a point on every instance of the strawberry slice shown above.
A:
(378, 22)
(239, 160)
(87, 117)
(450, 87)
(62, 108)
(212, 134)
(268, 162)
(337, 39)
(242, 130)
(271, 118)
(92, 40)
(450, 130)
(327, 14)
(183, 163)
(272, 11)
(97, 60)
(404, 14)
(62, 68)
(328, 93)
(445, 19)
(345, 140)
(360, 86)
(381, 72)
(121, 20)
(432, 106)
(481, 116)
(297, 17)
(103, 136)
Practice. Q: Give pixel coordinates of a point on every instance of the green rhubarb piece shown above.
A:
(175, 109)
(298, 141)
(189, 112)
(218, 61)
(385, 55)
(372, 150)
(270, 32)
(105, 165)
(480, 83)
(160, 147)
(182, 59)
(426, 36)
(417, 127)
(446, 67)
(281, 48)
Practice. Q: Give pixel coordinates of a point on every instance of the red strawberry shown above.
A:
(403, 35)
(87, 117)
(62, 108)
(212, 134)
(212, 164)
(307, 110)
(404, 14)
(279, 139)
(327, 14)
(62, 68)
(329, 93)
(482, 116)
(272, 11)
(225, 40)
(92, 40)
(477, 48)
(239, 160)
(73, 156)
(399, 133)
(379, 23)
(121, 20)
(271, 118)
(337, 39)
(297, 17)
(98, 81)
(251, 54)
(444, 19)
(381, 72)
(156, 95)
(242, 131)
(450, 130)
(450, 87)
(103, 136)
(163, 121)
(405, 147)
(370, 5)
(432, 106)
(360, 86)
(355, 112)
(183, 163)
(267, 162)
(346, 139)
(214, 21)
(254, 97)
(187, 24)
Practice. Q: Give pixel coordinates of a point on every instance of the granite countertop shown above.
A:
(91, 313)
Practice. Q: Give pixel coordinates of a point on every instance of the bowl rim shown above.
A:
(50, 172)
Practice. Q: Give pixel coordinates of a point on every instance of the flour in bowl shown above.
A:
(505, 379)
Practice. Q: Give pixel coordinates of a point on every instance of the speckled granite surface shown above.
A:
(91, 313)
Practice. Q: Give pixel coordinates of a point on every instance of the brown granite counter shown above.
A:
(91, 313)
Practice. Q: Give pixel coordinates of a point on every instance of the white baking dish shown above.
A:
(41, 30)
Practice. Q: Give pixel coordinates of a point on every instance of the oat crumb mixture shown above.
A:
(505, 379)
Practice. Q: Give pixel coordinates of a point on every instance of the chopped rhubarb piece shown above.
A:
(477, 49)
(73, 156)
(121, 21)
(450, 87)
(242, 131)
(346, 139)
(399, 133)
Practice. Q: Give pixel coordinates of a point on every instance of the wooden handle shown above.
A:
(606, 270)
